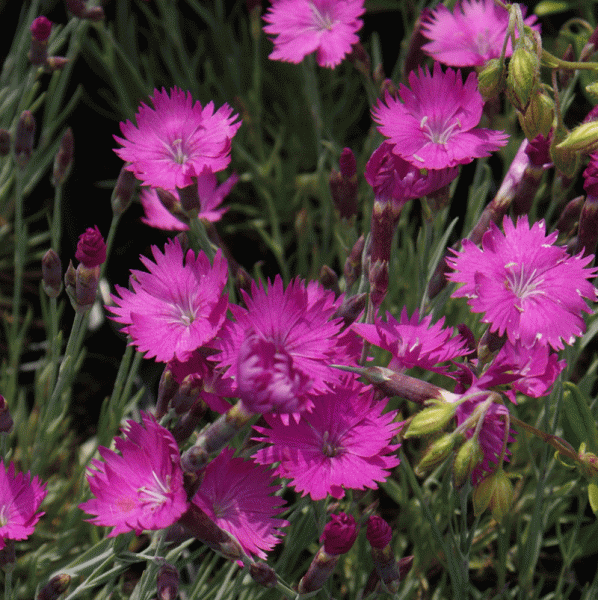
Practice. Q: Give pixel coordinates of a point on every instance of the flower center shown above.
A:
(439, 133)
(522, 284)
(321, 20)
(177, 152)
(155, 496)
(329, 448)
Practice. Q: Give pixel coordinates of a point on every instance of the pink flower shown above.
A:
(393, 177)
(527, 287)
(20, 498)
(211, 196)
(236, 495)
(327, 27)
(433, 126)
(413, 343)
(470, 35)
(176, 139)
(91, 248)
(279, 349)
(345, 442)
(175, 308)
(339, 534)
(140, 488)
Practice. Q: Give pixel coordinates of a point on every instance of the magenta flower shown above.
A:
(237, 495)
(345, 442)
(433, 126)
(339, 534)
(175, 308)
(20, 498)
(176, 139)
(279, 350)
(527, 287)
(327, 27)
(470, 35)
(414, 343)
(393, 177)
(140, 488)
(211, 196)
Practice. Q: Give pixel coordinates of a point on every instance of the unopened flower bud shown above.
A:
(583, 139)
(466, 459)
(587, 232)
(40, 32)
(123, 191)
(64, 158)
(491, 80)
(329, 280)
(538, 118)
(6, 422)
(570, 215)
(522, 77)
(172, 204)
(41, 28)
(55, 587)
(79, 9)
(379, 533)
(360, 58)
(432, 419)
(70, 280)
(352, 269)
(189, 196)
(592, 90)
(91, 248)
(167, 388)
(51, 273)
(436, 453)
(263, 574)
(4, 142)
(378, 276)
(339, 534)
(167, 582)
(351, 308)
(24, 138)
(56, 63)
(495, 491)
(564, 159)
(587, 462)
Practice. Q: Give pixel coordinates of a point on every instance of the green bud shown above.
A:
(592, 90)
(491, 80)
(583, 139)
(588, 462)
(431, 420)
(564, 159)
(494, 492)
(538, 118)
(436, 453)
(467, 458)
(522, 78)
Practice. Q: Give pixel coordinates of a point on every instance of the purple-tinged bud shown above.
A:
(353, 264)
(70, 280)
(347, 163)
(382, 229)
(489, 345)
(405, 565)
(189, 421)
(415, 56)
(166, 391)
(538, 151)
(343, 190)
(41, 28)
(329, 280)
(91, 248)
(587, 232)
(167, 582)
(263, 574)
(172, 204)
(123, 191)
(78, 8)
(6, 422)
(64, 158)
(378, 277)
(8, 555)
(495, 491)
(570, 215)
(339, 534)
(590, 176)
(351, 308)
(189, 196)
(4, 142)
(379, 533)
(319, 571)
(590, 46)
(587, 462)
(51, 273)
(24, 138)
(388, 86)
(56, 63)
(55, 587)
(468, 336)
(360, 58)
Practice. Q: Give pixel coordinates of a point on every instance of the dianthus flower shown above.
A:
(413, 343)
(279, 350)
(177, 306)
(470, 35)
(391, 175)
(237, 495)
(327, 27)
(345, 442)
(20, 499)
(211, 196)
(527, 287)
(176, 139)
(140, 488)
(433, 126)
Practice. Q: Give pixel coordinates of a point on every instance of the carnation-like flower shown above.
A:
(526, 286)
(140, 488)
(345, 442)
(413, 342)
(175, 308)
(470, 35)
(279, 350)
(432, 125)
(327, 27)
(20, 498)
(211, 196)
(339, 534)
(237, 495)
(176, 139)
